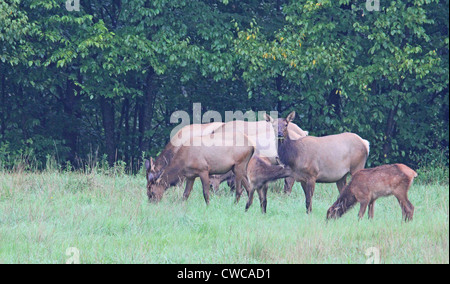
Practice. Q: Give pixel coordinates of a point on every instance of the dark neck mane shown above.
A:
(289, 149)
(345, 201)
(166, 156)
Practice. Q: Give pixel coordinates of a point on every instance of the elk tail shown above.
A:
(367, 145)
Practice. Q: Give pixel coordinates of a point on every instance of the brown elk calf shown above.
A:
(369, 184)
(260, 172)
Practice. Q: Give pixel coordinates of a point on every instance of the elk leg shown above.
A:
(371, 208)
(410, 213)
(240, 179)
(402, 206)
(362, 209)
(288, 184)
(231, 184)
(188, 189)
(262, 192)
(242, 183)
(342, 183)
(246, 184)
(250, 199)
(205, 183)
(407, 207)
(308, 188)
(239, 189)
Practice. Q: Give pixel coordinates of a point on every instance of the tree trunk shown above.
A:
(390, 126)
(126, 116)
(107, 109)
(134, 128)
(146, 113)
(71, 130)
(3, 105)
(334, 101)
(278, 83)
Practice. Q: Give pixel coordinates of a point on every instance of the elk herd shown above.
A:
(250, 155)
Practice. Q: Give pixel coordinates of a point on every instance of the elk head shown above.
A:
(334, 212)
(153, 184)
(281, 124)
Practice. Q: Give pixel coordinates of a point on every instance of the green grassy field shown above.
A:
(109, 220)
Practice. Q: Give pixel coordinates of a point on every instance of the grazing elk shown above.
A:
(325, 159)
(260, 172)
(369, 184)
(201, 157)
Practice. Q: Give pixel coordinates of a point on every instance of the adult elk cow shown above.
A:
(182, 135)
(325, 159)
(201, 157)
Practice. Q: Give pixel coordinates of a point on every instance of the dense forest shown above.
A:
(100, 84)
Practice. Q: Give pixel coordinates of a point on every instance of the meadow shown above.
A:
(108, 219)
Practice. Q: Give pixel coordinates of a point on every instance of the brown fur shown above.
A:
(178, 139)
(369, 184)
(325, 159)
(260, 172)
(294, 133)
(201, 161)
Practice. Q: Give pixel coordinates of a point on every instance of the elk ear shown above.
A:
(268, 118)
(290, 117)
(150, 165)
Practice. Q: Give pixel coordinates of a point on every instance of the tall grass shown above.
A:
(104, 213)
